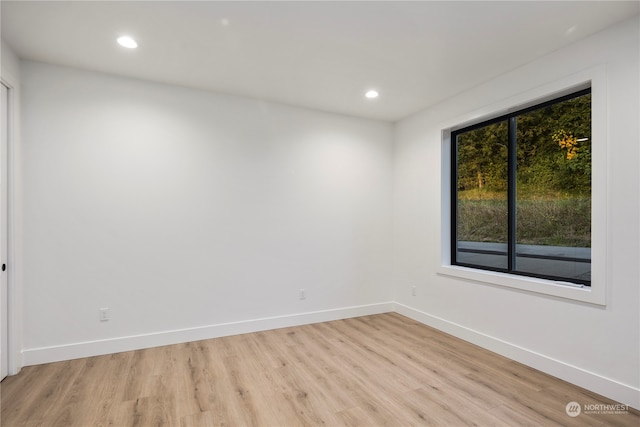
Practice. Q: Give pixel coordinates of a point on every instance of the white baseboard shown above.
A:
(607, 387)
(37, 356)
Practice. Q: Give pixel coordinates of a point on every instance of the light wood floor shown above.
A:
(370, 371)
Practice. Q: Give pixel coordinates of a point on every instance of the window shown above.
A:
(521, 192)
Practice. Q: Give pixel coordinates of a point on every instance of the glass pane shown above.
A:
(482, 196)
(553, 202)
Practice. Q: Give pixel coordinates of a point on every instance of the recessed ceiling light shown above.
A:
(127, 42)
(371, 94)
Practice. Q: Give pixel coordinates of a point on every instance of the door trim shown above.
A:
(14, 344)
(5, 353)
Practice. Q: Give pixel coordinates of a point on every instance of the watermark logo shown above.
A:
(573, 409)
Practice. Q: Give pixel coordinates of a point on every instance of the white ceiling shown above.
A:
(322, 55)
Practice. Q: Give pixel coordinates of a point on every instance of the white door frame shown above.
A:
(14, 353)
(4, 283)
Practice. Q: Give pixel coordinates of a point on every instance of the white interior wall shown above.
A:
(9, 62)
(591, 345)
(184, 211)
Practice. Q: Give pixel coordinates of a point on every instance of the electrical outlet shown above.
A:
(104, 314)
(303, 294)
(413, 291)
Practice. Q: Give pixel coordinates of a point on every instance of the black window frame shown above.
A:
(510, 118)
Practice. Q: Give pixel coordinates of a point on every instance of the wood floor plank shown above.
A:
(516, 414)
(357, 417)
(40, 398)
(381, 370)
(442, 408)
(321, 373)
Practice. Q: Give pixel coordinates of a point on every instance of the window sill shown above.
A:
(559, 289)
